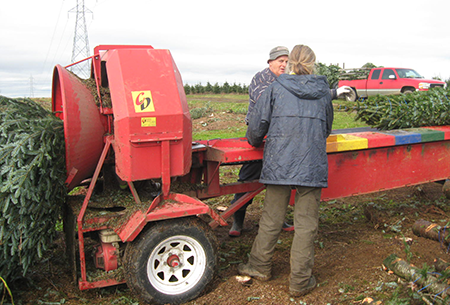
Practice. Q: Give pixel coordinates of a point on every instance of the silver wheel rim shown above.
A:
(176, 265)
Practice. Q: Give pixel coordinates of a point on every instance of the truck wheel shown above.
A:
(351, 96)
(172, 261)
(408, 91)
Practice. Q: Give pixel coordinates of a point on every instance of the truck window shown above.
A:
(408, 73)
(387, 73)
(376, 74)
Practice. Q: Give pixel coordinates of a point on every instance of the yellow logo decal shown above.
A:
(148, 122)
(143, 101)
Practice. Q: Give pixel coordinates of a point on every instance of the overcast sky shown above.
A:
(220, 41)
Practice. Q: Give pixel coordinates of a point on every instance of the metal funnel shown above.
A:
(84, 125)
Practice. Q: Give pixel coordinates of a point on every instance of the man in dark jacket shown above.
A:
(277, 61)
(296, 114)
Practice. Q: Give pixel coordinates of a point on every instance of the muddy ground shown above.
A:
(355, 235)
(350, 250)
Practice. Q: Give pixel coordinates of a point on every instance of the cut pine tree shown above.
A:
(433, 231)
(32, 187)
(425, 280)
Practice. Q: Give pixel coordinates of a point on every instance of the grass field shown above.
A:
(208, 108)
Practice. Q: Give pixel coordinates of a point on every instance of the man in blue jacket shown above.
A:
(278, 58)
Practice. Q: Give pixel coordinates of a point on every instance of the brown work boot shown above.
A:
(247, 269)
(310, 287)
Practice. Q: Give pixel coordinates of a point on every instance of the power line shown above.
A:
(53, 37)
(80, 49)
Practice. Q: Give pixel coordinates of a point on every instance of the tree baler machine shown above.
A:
(137, 212)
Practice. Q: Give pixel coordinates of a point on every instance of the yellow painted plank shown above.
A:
(343, 142)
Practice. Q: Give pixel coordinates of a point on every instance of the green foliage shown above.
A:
(408, 252)
(197, 113)
(228, 133)
(361, 73)
(332, 73)
(346, 119)
(425, 271)
(418, 109)
(369, 65)
(3, 283)
(32, 190)
(226, 88)
(201, 109)
(396, 299)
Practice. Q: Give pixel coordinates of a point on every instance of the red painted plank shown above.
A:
(376, 139)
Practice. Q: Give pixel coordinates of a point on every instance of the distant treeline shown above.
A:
(332, 72)
(216, 88)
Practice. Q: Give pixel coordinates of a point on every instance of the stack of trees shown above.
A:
(32, 188)
(332, 72)
(418, 109)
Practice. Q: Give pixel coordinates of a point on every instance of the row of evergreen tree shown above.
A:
(216, 88)
(332, 72)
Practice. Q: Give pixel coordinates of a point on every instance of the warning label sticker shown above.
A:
(148, 122)
(143, 101)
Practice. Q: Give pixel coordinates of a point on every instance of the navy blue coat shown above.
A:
(296, 114)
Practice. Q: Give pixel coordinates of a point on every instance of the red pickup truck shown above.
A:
(385, 81)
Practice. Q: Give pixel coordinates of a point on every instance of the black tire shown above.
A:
(188, 243)
(408, 91)
(351, 96)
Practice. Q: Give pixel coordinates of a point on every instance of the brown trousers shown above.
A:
(306, 222)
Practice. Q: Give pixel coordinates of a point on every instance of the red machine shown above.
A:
(129, 140)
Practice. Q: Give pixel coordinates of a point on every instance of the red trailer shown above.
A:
(129, 141)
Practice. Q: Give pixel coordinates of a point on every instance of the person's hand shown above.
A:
(343, 90)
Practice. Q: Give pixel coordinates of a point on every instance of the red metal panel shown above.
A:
(232, 150)
(149, 107)
(84, 126)
(371, 170)
(179, 205)
(132, 227)
(83, 285)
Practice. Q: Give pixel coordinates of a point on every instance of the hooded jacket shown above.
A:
(296, 114)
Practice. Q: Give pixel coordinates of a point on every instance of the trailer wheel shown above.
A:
(172, 261)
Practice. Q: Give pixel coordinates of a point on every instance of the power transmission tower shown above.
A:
(80, 48)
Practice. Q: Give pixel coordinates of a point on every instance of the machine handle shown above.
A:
(143, 141)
